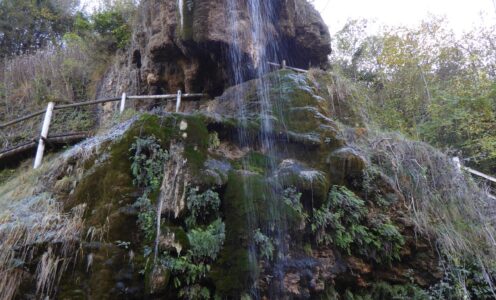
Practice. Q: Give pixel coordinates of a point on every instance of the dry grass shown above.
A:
(29, 82)
(32, 225)
(445, 203)
(347, 100)
(38, 240)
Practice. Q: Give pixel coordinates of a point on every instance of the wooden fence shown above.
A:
(490, 180)
(45, 138)
(284, 66)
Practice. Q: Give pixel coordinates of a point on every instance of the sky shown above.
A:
(461, 15)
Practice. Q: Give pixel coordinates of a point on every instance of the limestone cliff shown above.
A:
(138, 236)
(272, 187)
(188, 47)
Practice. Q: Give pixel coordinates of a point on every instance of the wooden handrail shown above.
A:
(35, 114)
(44, 137)
(78, 104)
(480, 174)
(286, 67)
(170, 96)
(99, 101)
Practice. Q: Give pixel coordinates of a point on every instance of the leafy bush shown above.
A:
(474, 286)
(292, 198)
(113, 28)
(30, 25)
(189, 269)
(342, 221)
(195, 292)
(201, 206)
(264, 244)
(206, 244)
(146, 217)
(147, 166)
(341, 213)
(147, 162)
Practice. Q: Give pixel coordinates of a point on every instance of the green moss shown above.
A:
(108, 191)
(186, 28)
(308, 249)
(234, 272)
(196, 142)
(181, 236)
(255, 162)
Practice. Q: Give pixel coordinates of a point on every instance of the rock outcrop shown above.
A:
(188, 47)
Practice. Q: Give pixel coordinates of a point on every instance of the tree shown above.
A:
(427, 83)
(28, 25)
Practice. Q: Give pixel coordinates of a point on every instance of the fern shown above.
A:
(201, 206)
(342, 221)
(147, 162)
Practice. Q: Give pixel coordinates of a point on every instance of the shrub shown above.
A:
(206, 244)
(29, 82)
(147, 162)
(201, 206)
(189, 269)
(146, 216)
(342, 221)
(292, 198)
(113, 28)
(264, 244)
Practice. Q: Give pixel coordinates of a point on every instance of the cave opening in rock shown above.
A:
(137, 59)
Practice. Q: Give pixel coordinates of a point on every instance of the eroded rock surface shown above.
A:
(188, 47)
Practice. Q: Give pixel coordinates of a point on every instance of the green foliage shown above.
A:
(185, 272)
(147, 162)
(264, 244)
(206, 244)
(463, 282)
(427, 83)
(201, 205)
(342, 221)
(213, 140)
(146, 216)
(341, 213)
(292, 198)
(27, 25)
(383, 290)
(111, 25)
(190, 269)
(195, 292)
(379, 291)
(147, 167)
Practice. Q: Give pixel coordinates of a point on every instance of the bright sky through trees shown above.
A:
(462, 15)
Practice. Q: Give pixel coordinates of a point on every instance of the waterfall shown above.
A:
(264, 47)
(180, 8)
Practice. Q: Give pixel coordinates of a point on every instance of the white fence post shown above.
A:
(178, 102)
(123, 102)
(283, 64)
(44, 135)
(458, 164)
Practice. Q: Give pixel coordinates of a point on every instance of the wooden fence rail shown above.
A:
(284, 66)
(487, 178)
(46, 138)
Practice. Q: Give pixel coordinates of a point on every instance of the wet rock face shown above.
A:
(188, 47)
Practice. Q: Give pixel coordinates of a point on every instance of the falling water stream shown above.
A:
(180, 5)
(264, 47)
